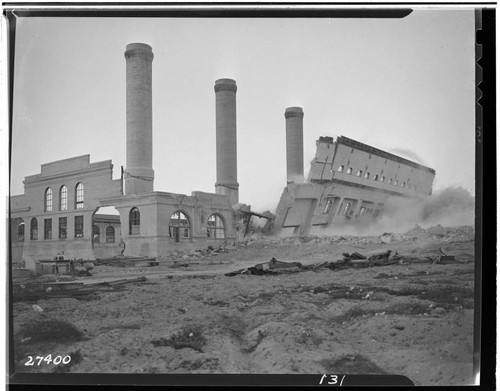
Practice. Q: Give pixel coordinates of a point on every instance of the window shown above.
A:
(362, 211)
(34, 229)
(390, 181)
(216, 228)
(48, 200)
(20, 232)
(396, 182)
(134, 221)
(79, 196)
(367, 175)
(383, 179)
(78, 226)
(346, 208)
(328, 205)
(47, 229)
(349, 170)
(96, 234)
(360, 172)
(376, 177)
(341, 169)
(403, 184)
(179, 226)
(110, 234)
(63, 227)
(63, 198)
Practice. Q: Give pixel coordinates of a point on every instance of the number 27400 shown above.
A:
(39, 360)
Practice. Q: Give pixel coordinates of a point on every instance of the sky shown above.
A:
(402, 85)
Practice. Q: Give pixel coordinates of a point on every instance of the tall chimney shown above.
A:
(225, 129)
(139, 174)
(294, 144)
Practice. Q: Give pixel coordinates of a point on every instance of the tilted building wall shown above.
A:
(349, 180)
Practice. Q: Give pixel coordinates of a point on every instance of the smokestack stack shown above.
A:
(139, 174)
(294, 144)
(225, 129)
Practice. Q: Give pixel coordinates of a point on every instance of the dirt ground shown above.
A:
(412, 319)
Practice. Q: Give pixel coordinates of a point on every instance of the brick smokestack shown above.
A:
(225, 130)
(139, 174)
(294, 144)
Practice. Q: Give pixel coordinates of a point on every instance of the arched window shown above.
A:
(110, 234)
(134, 221)
(349, 170)
(341, 169)
(383, 179)
(403, 184)
(360, 172)
(79, 196)
(48, 200)
(63, 198)
(179, 226)
(367, 175)
(376, 177)
(20, 232)
(216, 228)
(34, 229)
(396, 182)
(96, 234)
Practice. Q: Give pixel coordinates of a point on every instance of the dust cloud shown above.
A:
(449, 207)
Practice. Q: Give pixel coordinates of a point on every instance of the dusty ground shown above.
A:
(412, 319)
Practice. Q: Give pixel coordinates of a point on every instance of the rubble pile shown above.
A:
(449, 234)
(210, 251)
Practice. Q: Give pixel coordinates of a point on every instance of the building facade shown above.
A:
(55, 214)
(58, 213)
(348, 180)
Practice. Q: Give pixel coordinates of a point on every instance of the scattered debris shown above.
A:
(266, 268)
(443, 258)
(124, 261)
(37, 308)
(353, 256)
(189, 337)
(58, 289)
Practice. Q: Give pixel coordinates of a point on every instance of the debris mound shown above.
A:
(189, 337)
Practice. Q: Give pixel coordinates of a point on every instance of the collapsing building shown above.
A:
(347, 180)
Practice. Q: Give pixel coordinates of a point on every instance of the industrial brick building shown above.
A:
(58, 214)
